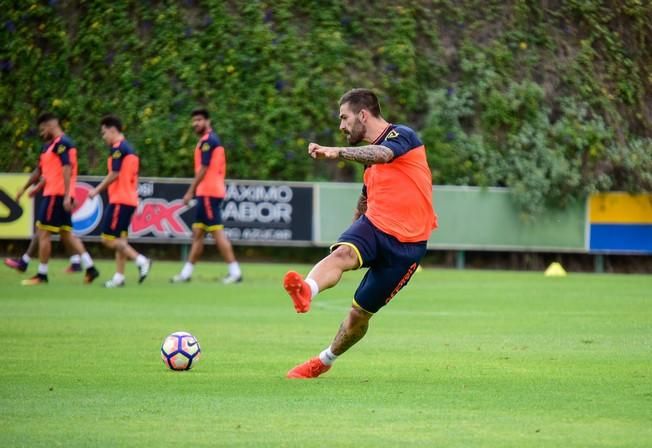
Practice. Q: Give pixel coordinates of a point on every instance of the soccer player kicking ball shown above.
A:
(209, 189)
(122, 182)
(394, 219)
(58, 170)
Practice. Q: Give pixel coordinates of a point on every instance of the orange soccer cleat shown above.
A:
(309, 369)
(298, 290)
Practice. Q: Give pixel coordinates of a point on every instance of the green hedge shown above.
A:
(553, 99)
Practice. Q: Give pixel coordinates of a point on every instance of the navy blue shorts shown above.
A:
(117, 218)
(52, 216)
(391, 263)
(208, 214)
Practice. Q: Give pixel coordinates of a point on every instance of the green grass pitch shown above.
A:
(459, 358)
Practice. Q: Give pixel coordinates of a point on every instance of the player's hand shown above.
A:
(317, 151)
(19, 193)
(93, 193)
(187, 198)
(67, 203)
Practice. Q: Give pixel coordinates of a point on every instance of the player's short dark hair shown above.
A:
(201, 111)
(45, 117)
(359, 99)
(111, 121)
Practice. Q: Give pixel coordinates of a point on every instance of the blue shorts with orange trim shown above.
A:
(52, 216)
(117, 218)
(391, 263)
(208, 214)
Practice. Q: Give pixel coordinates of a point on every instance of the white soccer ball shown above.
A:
(180, 351)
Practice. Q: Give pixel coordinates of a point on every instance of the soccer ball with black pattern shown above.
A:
(180, 351)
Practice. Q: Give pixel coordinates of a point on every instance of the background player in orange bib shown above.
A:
(122, 183)
(58, 172)
(209, 189)
(394, 219)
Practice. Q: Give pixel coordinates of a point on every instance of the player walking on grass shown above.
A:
(209, 189)
(58, 170)
(122, 183)
(21, 264)
(394, 219)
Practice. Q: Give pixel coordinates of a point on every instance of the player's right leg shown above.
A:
(226, 250)
(325, 274)
(50, 218)
(75, 257)
(196, 251)
(75, 245)
(355, 247)
(45, 248)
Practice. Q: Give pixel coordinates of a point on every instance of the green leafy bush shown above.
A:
(552, 100)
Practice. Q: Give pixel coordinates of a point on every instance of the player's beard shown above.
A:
(200, 130)
(357, 133)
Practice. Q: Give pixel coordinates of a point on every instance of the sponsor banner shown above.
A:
(16, 218)
(253, 212)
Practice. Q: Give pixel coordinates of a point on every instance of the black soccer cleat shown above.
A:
(91, 274)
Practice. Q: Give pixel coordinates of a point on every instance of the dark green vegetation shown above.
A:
(550, 98)
(458, 359)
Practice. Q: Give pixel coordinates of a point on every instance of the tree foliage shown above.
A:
(552, 99)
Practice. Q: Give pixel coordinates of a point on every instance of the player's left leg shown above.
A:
(115, 229)
(118, 279)
(351, 331)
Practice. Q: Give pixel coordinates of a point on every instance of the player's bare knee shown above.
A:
(358, 317)
(345, 256)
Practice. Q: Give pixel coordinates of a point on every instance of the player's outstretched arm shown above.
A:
(368, 155)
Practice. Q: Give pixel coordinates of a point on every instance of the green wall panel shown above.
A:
(469, 218)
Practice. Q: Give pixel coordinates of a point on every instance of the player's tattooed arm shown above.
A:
(369, 155)
(361, 207)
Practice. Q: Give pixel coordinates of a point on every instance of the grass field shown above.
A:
(459, 358)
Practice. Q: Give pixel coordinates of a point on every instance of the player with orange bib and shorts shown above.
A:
(122, 183)
(58, 172)
(394, 219)
(208, 188)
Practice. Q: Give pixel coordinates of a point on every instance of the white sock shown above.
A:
(86, 260)
(26, 258)
(327, 357)
(75, 259)
(118, 277)
(234, 269)
(186, 272)
(314, 288)
(141, 260)
(43, 268)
